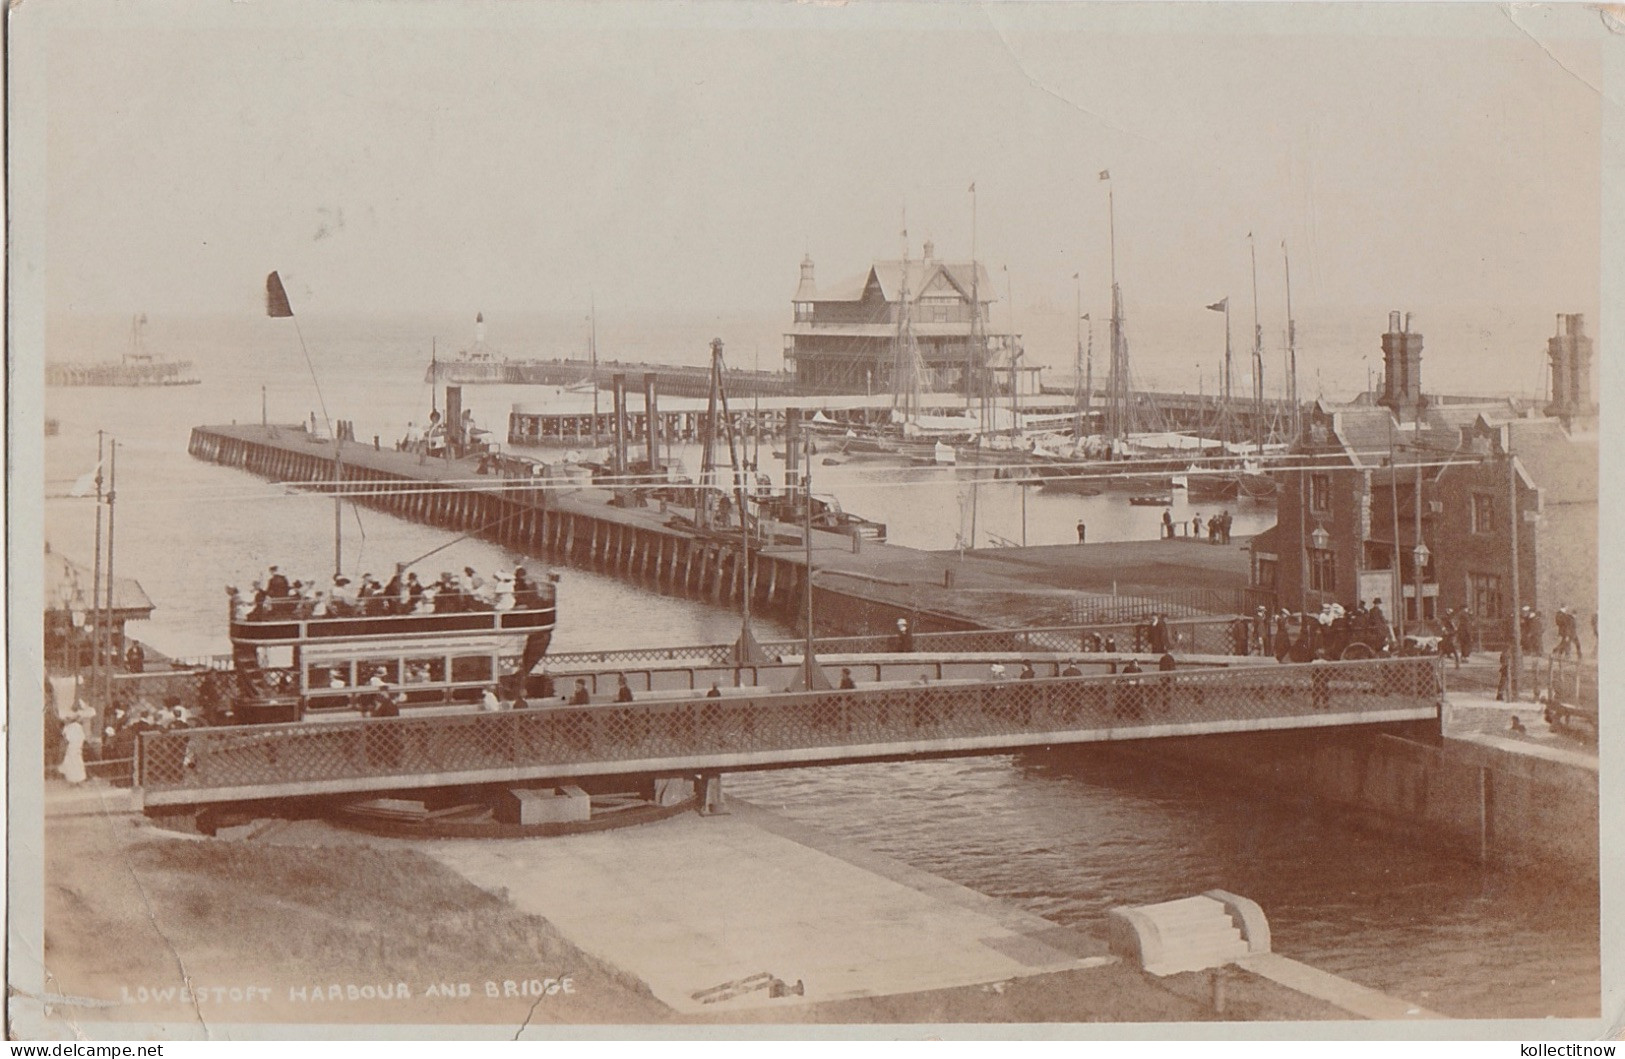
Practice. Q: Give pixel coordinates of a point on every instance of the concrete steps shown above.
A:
(1189, 934)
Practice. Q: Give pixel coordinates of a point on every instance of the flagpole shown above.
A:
(96, 586)
(100, 706)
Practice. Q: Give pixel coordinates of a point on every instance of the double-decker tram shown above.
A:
(291, 664)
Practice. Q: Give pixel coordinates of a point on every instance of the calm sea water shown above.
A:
(1064, 837)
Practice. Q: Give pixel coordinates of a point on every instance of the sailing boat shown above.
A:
(137, 367)
(1124, 455)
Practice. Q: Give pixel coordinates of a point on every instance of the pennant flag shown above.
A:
(1085, 316)
(1105, 174)
(1221, 305)
(276, 299)
(85, 483)
(973, 187)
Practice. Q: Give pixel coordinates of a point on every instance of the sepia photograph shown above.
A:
(858, 519)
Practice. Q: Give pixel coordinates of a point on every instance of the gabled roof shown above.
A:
(1563, 466)
(1367, 432)
(64, 576)
(1264, 542)
(888, 276)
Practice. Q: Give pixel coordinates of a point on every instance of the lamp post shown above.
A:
(1420, 556)
(1320, 541)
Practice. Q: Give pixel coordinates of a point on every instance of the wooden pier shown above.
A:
(858, 586)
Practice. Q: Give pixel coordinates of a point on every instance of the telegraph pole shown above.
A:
(1515, 671)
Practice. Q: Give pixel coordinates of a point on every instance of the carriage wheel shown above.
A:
(1357, 650)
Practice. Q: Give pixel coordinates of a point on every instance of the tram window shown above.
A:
(471, 668)
(388, 671)
(276, 658)
(317, 677)
(423, 670)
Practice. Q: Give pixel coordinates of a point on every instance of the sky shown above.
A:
(413, 157)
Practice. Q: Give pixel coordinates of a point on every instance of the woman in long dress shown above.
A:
(73, 759)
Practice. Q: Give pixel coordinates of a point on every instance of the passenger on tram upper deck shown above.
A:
(503, 594)
(525, 596)
(276, 585)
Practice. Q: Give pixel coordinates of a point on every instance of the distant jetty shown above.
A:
(135, 368)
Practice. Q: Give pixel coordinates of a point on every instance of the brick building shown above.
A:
(1451, 474)
(845, 338)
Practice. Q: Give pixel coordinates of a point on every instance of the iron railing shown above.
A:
(1187, 636)
(761, 730)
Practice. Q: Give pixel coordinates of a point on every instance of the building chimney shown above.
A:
(930, 250)
(1570, 353)
(1402, 369)
(479, 329)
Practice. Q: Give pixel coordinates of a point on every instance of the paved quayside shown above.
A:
(696, 902)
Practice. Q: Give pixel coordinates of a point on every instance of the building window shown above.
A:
(1485, 592)
(1483, 513)
(1264, 573)
(1322, 570)
(804, 312)
(1320, 492)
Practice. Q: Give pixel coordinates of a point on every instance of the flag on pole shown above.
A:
(1221, 305)
(276, 299)
(85, 484)
(973, 187)
(1105, 174)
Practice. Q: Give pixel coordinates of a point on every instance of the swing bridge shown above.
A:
(699, 720)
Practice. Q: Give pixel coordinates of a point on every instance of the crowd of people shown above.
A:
(69, 743)
(277, 597)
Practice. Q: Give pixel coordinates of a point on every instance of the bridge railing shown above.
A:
(741, 730)
(1191, 636)
(1212, 636)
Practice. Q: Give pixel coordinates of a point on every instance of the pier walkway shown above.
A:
(696, 734)
(857, 585)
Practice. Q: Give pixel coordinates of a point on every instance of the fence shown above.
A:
(753, 730)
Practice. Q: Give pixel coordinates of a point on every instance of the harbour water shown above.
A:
(1066, 837)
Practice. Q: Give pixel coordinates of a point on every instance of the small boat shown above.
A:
(1151, 500)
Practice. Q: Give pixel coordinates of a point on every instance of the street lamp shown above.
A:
(1420, 556)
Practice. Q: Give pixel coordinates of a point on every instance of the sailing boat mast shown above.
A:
(1117, 408)
(1292, 350)
(1077, 366)
(592, 351)
(1258, 356)
(906, 359)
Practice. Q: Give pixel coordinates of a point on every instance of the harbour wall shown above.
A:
(1472, 798)
(639, 544)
